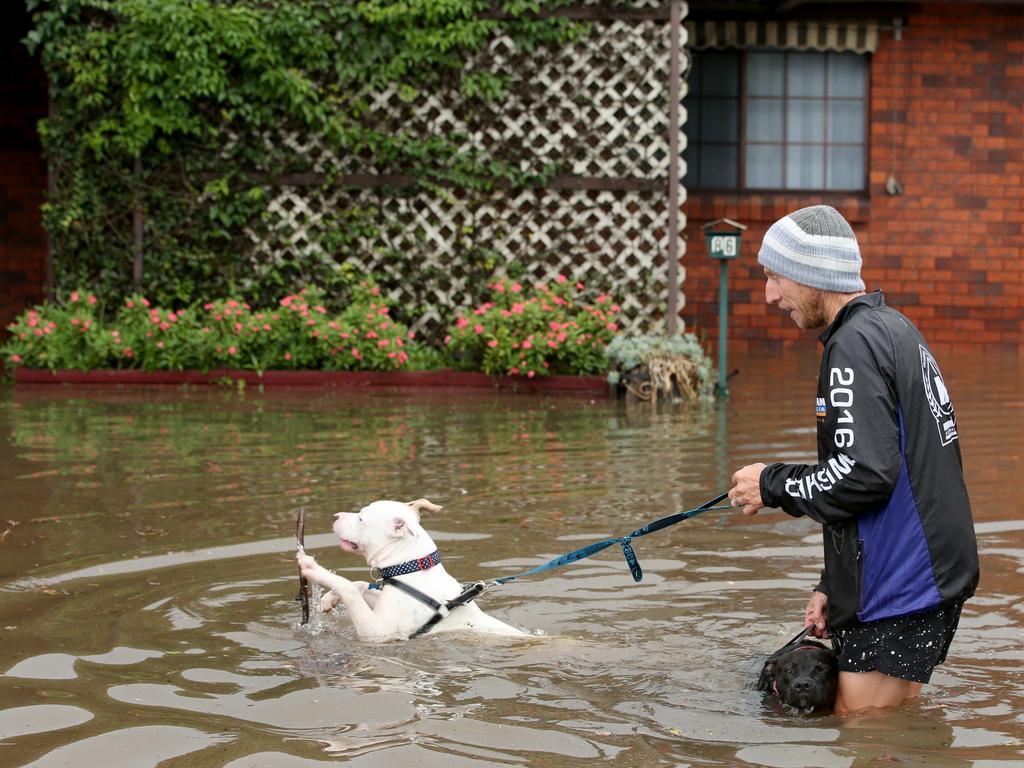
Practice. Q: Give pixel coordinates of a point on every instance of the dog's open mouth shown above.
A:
(349, 546)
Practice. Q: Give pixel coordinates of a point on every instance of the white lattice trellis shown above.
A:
(599, 109)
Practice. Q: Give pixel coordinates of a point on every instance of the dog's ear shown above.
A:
(423, 505)
(401, 527)
(767, 677)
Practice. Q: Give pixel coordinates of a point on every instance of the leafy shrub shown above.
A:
(299, 333)
(534, 331)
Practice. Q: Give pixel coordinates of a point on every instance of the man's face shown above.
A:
(804, 304)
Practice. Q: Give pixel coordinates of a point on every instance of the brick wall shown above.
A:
(23, 101)
(949, 252)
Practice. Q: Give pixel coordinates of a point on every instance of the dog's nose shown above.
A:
(802, 685)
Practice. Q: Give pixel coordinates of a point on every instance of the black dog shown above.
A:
(802, 674)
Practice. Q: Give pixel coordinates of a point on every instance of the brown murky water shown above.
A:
(147, 577)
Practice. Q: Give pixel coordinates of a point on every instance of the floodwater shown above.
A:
(147, 580)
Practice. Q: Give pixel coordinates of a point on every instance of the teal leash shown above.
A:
(623, 541)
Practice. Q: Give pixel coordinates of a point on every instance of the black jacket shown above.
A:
(888, 486)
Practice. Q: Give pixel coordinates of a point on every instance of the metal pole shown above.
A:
(723, 314)
(676, 17)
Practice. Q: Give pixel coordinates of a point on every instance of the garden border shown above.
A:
(343, 379)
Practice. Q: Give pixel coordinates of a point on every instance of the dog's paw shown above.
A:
(329, 601)
(308, 566)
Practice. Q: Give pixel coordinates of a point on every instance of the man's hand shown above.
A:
(746, 489)
(816, 614)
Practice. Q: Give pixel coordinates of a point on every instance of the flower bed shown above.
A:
(444, 378)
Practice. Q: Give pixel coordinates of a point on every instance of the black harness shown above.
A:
(387, 576)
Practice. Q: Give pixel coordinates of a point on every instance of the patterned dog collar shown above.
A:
(412, 566)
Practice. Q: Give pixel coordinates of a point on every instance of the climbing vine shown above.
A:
(174, 108)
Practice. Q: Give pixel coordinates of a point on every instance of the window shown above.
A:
(771, 120)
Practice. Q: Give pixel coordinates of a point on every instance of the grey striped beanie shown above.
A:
(816, 247)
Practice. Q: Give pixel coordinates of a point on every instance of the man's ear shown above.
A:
(400, 527)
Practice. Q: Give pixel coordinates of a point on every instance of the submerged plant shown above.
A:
(651, 366)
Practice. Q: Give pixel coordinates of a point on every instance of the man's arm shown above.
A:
(862, 461)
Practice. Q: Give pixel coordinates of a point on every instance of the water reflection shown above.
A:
(147, 579)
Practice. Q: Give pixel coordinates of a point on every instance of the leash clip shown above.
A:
(375, 577)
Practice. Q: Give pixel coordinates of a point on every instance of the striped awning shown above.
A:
(858, 37)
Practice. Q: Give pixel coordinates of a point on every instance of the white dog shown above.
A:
(389, 535)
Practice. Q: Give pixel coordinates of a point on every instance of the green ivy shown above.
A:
(198, 90)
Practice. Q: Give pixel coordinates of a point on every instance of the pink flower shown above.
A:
(287, 355)
(448, 339)
(172, 317)
(384, 343)
(205, 306)
(286, 301)
(321, 310)
(232, 350)
(612, 326)
(15, 358)
(375, 291)
(530, 374)
(499, 287)
(343, 335)
(266, 326)
(371, 334)
(461, 322)
(553, 344)
(554, 326)
(127, 352)
(74, 297)
(562, 279)
(527, 344)
(356, 354)
(217, 317)
(562, 336)
(92, 299)
(478, 329)
(392, 354)
(384, 326)
(75, 321)
(411, 335)
(145, 302)
(579, 286)
(131, 304)
(516, 288)
(159, 345)
(517, 308)
(514, 370)
(492, 343)
(164, 326)
(311, 321)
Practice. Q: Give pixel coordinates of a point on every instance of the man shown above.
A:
(888, 488)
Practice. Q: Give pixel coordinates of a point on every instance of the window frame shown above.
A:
(742, 142)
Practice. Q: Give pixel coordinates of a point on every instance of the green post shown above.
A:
(723, 325)
(723, 245)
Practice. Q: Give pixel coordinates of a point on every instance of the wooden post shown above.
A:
(137, 225)
(675, 20)
(51, 193)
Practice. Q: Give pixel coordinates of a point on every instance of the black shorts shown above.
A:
(907, 647)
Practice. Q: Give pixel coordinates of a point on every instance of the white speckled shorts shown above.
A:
(907, 647)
